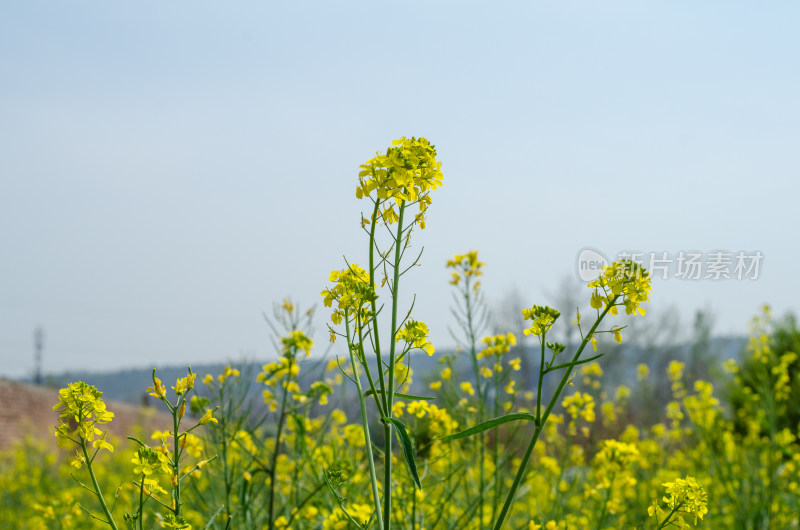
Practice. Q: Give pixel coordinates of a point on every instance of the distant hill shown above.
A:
(129, 385)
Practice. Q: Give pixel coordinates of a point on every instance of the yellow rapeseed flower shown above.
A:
(81, 409)
(207, 417)
(624, 278)
(416, 334)
(296, 341)
(158, 389)
(352, 292)
(543, 318)
(406, 173)
(184, 384)
(497, 345)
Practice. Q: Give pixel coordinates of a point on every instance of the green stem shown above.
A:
(141, 502)
(472, 342)
(302, 503)
(389, 391)
(413, 507)
(176, 459)
(365, 424)
(540, 423)
(226, 472)
(276, 450)
(669, 516)
(97, 491)
(604, 511)
(481, 402)
(496, 448)
(378, 400)
(381, 378)
(539, 386)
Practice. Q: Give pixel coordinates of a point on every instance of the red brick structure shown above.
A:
(27, 409)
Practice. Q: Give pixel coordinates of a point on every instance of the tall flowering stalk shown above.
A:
(471, 315)
(282, 388)
(81, 413)
(174, 446)
(491, 370)
(395, 182)
(229, 394)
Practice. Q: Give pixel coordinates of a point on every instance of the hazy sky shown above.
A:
(169, 170)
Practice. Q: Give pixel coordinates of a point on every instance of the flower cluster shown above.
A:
(624, 278)
(182, 387)
(81, 409)
(184, 384)
(226, 374)
(275, 371)
(415, 334)
(146, 462)
(176, 522)
(352, 292)
(158, 389)
(543, 319)
(581, 406)
(320, 391)
(440, 421)
(407, 172)
(684, 496)
(617, 453)
(497, 345)
(467, 266)
(296, 341)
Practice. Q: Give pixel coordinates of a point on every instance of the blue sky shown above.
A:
(170, 170)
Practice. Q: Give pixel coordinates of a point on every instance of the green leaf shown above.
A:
(408, 450)
(403, 396)
(575, 363)
(486, 425)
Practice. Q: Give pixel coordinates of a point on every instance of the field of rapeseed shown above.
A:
(354, 448)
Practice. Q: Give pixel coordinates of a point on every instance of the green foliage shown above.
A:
(771, 360)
